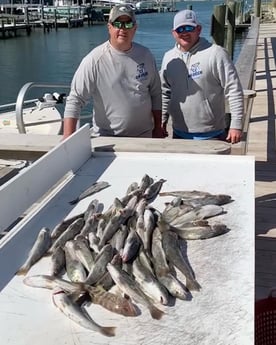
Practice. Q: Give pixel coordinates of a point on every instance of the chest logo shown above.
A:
(141, 72)
(195, 71)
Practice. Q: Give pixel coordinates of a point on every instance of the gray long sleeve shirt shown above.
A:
(195, 86)
(124, 86)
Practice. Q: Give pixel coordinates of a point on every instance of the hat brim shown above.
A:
(182, 24)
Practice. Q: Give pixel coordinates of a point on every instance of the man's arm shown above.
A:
(157, 131)
(69, 126)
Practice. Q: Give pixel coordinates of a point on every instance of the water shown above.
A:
(53, 57)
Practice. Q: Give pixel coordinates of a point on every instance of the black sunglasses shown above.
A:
(125, 25)
(185, 28)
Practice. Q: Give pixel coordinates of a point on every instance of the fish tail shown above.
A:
(22, 271)
(193, 285)
(163, 193)
(108, 331)
(73, 202)
(156, 313)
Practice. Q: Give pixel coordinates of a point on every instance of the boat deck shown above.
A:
(261, 144)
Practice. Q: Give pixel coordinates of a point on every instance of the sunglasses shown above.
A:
(125, 25)
(185, 28)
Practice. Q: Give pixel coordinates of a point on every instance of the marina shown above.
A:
(247, 169)
(14, 18)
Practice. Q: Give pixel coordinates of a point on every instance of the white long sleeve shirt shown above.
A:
(124, 86)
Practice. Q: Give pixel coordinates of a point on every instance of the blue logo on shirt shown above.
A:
(141, 73)
(195, 71)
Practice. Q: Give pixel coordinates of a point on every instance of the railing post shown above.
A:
(218, 24)
(231, 23)
(257, 8)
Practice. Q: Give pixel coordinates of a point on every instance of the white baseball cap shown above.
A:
(185, 17)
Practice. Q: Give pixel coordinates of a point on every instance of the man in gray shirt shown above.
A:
(197, 77)
(122, 79)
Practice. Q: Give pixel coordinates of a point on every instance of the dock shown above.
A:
(261, 144)
(7, 30)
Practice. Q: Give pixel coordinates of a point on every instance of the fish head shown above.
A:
(127, 308)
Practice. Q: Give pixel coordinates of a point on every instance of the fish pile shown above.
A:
(128, 254)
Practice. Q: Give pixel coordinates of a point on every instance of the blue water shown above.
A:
(53, 57)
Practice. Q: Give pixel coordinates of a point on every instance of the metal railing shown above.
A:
(21, 101)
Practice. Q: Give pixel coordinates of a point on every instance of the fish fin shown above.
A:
(73, 202)
(156, 313)
(193, 285)
(108, 331)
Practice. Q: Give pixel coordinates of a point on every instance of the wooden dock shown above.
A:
(261, 144)
(7, 30)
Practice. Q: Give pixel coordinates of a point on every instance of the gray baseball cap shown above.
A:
(121, 10)
(185, 17)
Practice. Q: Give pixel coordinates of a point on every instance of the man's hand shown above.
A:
(234, 136)
(69, 127)
(164, 129)
(157, 132)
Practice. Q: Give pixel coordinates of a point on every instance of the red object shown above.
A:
(265, 320)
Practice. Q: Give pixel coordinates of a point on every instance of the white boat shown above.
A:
(36, 116)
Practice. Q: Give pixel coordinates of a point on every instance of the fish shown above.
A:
(174, 286)
(149, 283)
(159, 258)
(145, 260)
(99, 268)
(197, 231)
(125, 199)
(131, 247)
(199, 198)
(128, 285)
(91, 224)
(93, 241)
(77, 314)
(92, 208)
(140, 207)
(153, 190)
(149, 224)
(186, 194)
(39, 248)
(72, 230)
(146, 181)
(83, 253)
(119, 238)
(62, 226)
(57, 261)
(111, 227)
(74, 268)
(112, 302)
(162, 269)
(95, 188)
(219, 199)
(45, 281)
(198, 213)
(173, 253)
(170, 213)
(133, 186)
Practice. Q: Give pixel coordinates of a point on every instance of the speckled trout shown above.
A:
(77, 313)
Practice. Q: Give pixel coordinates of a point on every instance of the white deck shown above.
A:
(222, 313)
(45, 119)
